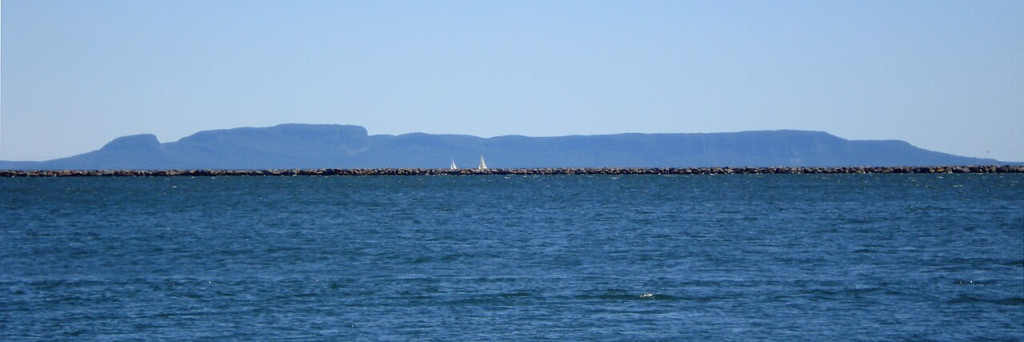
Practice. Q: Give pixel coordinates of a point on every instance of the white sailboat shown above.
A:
(483, 164)
(453, 165)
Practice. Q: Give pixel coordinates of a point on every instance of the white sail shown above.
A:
(483, 164)
(453, 165)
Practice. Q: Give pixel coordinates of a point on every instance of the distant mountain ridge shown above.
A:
(345, 146)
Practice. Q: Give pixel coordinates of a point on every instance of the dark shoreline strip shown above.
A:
(531, 171)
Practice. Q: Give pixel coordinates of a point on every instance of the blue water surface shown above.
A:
(710, 257)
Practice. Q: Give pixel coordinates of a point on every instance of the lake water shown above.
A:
(723, 257)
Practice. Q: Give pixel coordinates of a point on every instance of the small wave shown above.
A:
(966, 299)
(975, 262)
(859, 290)
(633, 296)
(421, 260)
(653, 296)
(838, 292)
(973, 282)
(516, 294)
(1015, 263)
(494, 299)
(1015, 301)
(611, 296)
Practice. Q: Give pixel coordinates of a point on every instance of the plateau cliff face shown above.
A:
(291, 146)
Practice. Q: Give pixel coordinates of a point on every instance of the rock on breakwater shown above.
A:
(517, 171)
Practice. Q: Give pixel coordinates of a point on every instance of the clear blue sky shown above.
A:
(942, 75)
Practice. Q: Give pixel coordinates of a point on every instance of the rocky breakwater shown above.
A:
(521, 171)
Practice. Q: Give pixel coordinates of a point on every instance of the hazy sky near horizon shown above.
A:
(942, 75)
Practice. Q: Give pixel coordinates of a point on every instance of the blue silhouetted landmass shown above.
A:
(345, 146)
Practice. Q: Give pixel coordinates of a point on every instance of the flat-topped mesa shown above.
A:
(521, 171)
(317, 146)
